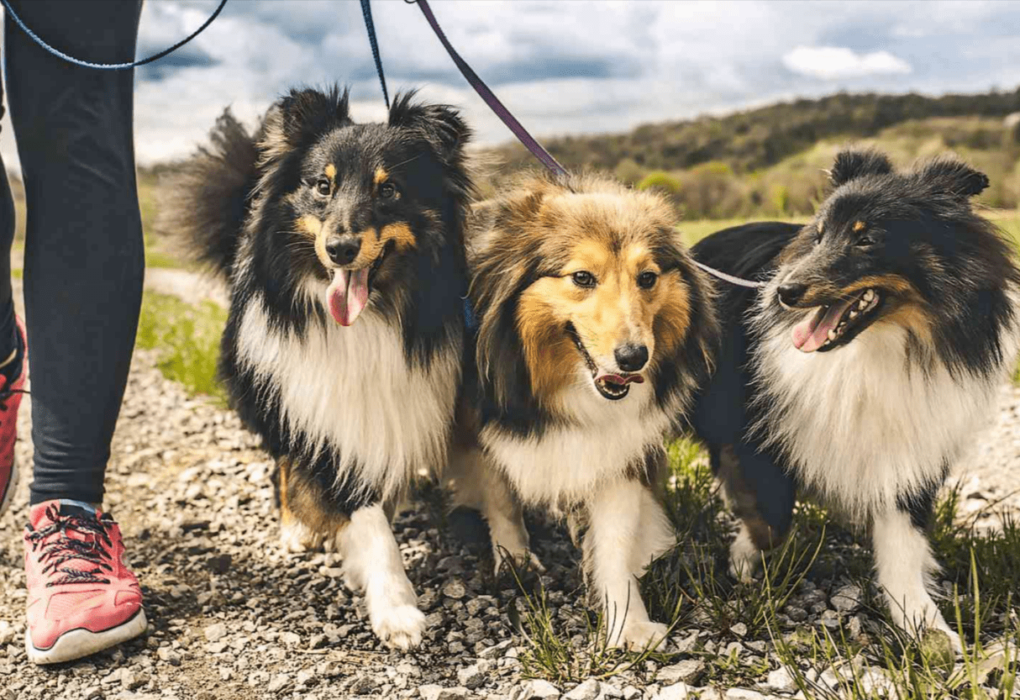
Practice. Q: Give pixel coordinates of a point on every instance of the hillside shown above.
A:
(757, 138)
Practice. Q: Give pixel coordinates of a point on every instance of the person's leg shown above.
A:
(84, 248)
(83, 285)
(12, 352)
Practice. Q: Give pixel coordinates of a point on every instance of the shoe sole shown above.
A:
(81, 642)
(12, 486)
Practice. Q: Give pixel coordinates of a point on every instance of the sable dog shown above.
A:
(863, 368)
(595, 327)
(343, 247)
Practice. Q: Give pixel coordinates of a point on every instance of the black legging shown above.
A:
(84, 251)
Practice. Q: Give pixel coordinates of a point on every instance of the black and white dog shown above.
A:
(865, 365)
(343, 247)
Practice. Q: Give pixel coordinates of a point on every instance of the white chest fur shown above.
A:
(352, 391)
(569, 463)
(862, 424)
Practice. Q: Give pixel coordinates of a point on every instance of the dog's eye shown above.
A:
(646, 280)
(865, 242)
(387, 190)
(323, 187)
(583, 278)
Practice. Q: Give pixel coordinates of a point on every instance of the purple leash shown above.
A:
(490, 99)
(522, 134)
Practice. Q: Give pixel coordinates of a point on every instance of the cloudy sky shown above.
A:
(562, 66)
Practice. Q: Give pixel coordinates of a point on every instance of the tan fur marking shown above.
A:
(674, 316)
(859, 226)
(894, 283)
(550, 355)
(282, 466)
(825, 292)
(913, 317)
(372, 243)
(309, 225)
(380, 176)
(744, 502)
(615, 312)
(331, 172)
(301, 500)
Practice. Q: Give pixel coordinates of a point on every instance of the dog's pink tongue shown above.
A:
(347, 295)
(617, 379)
(811, 333)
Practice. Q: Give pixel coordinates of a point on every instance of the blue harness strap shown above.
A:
(107, 66)
(470, 320)
(366, 11)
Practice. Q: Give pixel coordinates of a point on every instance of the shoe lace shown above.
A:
(6, 394)
(57, 551)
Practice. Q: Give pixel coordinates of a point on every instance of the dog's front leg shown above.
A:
(479, 484)
(905, 565)
(372, 564)
(611, 548)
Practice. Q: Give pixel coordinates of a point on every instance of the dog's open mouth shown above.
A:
(347, 294)
(837, 323)
(612, 386)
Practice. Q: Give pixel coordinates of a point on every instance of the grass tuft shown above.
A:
(859, 655)
(187, 340)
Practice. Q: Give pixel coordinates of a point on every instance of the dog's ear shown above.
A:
(950, 175)
(852, 164)
(301, 116)
(499, 352)
(440, 125)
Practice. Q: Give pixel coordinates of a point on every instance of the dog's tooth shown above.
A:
(832, 334)
(869, 295)
(853, 314)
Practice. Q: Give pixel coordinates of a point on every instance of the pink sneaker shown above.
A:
(10, 402)
(81, 596)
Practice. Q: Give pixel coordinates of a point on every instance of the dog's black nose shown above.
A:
(631, 357)
(791, 292)
(343, 250)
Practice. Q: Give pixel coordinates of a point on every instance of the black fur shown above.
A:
(247, 192)
(226, 174)
(917, 225)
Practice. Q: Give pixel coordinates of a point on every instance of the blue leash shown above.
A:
(366, 10)
(107, 66)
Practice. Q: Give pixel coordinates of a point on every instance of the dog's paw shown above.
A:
(931, 638)
(523, 560)
(399, 627)
(641, 636)
(296, 538)
(744, 558)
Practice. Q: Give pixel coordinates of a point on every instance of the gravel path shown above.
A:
(232, 616)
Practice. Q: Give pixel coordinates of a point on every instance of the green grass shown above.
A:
(693, 231)
(156, 257)
(186, 339)
(690, 587)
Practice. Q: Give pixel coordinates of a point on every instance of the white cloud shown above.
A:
(836, 62)
(562, 66)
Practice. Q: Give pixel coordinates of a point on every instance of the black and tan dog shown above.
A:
(866, 364)
(343, 247)
(595, 327)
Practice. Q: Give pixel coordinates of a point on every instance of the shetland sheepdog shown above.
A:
(343, 247)
(866, 363)
(594, 328)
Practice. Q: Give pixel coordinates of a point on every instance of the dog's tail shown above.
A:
(204, 201)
